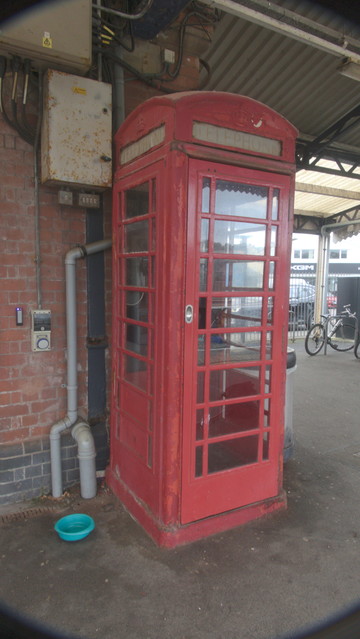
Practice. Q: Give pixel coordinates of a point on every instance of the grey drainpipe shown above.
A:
(81, 431)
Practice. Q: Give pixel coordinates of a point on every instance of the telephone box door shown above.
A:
(235, 340)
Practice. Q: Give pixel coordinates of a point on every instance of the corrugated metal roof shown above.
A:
(297, 80)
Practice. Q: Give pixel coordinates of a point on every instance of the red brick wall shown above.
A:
(32, 392)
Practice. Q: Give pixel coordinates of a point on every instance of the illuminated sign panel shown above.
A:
(144, 144)
(222, 136)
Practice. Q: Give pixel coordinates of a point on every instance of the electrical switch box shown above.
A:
(41, 330)
(76, 132)
(56, 34)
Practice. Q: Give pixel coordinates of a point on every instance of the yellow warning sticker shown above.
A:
(79, 90)
(47, 40)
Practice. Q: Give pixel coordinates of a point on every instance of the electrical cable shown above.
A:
(128, 16)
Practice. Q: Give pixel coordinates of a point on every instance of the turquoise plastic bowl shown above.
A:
(74, 527)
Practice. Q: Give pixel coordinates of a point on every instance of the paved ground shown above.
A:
(262, 580)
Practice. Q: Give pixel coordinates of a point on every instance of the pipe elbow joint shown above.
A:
(85, 441)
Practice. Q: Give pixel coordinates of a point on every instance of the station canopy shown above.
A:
(302, 59)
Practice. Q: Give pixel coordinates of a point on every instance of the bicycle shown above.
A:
(333, 330)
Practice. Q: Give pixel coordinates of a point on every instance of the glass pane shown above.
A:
(153, 198)
(153, 234)
(273, 240)
(226, 420)
(267, 406)
(198, 461)
(267, 388)
(268, 353)
(202, 312)
(136, 271)
(200, 387)
(266, 445)
(243, 200)
(205, 206)
(137, 304)
(201, 350)
(204, 241)
(236, 312)
(232, 453)
(136, 339)
(234, 382)
(271, 275)
(150, 453)
(275, 204)
(136, 237)
(136, 372)
(235, 347)
(199, 424)
(153, 273)
(239, 237)
(137, 200)
(270, 311)
(203, 274)
(236, 275)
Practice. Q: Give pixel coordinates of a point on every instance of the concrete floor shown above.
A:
(265, 579)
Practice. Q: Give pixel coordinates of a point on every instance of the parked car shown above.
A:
(301, 304)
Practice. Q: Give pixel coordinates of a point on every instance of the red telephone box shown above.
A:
(202, 232)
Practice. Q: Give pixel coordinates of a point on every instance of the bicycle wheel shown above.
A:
(357, 348)
(343, 338)
(315, 339)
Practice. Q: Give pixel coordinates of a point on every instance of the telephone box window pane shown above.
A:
(269, 341)
(267, 406)
(234, 382)
(266, 446)
(270, 311)
(136, 372)
(271, 276)
(201, 350)
(273, 240)
(204, 241)
(235, 347)
(236, 312)
(275, 204)
(239, 237)
(136, 271)
(235, 418)
(198, 461)
(199, 424)
(150, 452)
(137, 201)
(236, 275)
(203, 274)
(153, 234)
(137, 339)
(200, 387)
(267, 388)
(153, 197)
(233, 453)
(205, 206)
(202, 312)
(242, 200)
(136, 237)
(137, 305)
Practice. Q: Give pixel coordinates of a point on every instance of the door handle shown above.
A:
(189, 314)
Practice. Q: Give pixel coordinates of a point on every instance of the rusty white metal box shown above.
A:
(76, 131)
(56, 34)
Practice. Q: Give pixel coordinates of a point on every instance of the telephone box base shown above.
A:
(177, 534)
